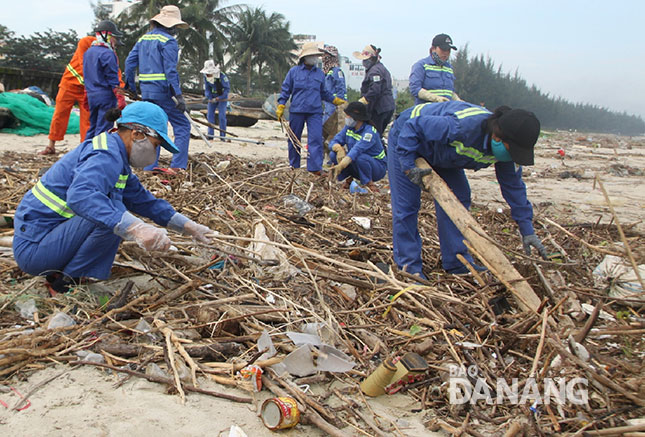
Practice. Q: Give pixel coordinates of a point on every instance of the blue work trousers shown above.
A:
(181, 129)
(406, 201)
(99, 105)
(221, 113)
(314, 135)
(364, 168)
(76, 247)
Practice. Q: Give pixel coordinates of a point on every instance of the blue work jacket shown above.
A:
(377, 89)
(306, 87)
(219, 88)
(365, 140)
(93, 181)
(335, 83)
(100, 71)
(428, 75)
(155, 55)
(453, 135)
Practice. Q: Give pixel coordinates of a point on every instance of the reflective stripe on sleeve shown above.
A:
(78, 77)
(380, 155)
(353, 134)
(123, 179)
(99, 142)
(430, 67)
(52, 201)
(473, 153)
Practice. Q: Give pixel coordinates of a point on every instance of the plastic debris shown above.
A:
(266, 344)
(27, 308)
(296, 203)
(60, 320)
(620, 276)
(90, 356)
(263, 249)
(236, 431)
(222, 165)
(363, 222)
(355, 188)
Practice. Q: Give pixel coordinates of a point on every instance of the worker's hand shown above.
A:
(180, 103)
(337, 148)
(197, 231)
(363, 100)
(338, 101)
(279, 111)
(416, 175)
(342, 165)
(533, 240)
(148, 237)
(456, 97)
(429, 96)
(120, 100)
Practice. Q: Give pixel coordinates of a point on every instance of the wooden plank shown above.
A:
(490, 254)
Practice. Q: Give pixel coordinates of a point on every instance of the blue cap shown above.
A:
(152, 116)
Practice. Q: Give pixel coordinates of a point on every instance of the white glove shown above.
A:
(182, 224)
(430, 96)
(148, 237)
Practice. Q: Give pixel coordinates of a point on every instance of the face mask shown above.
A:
(310, 60)
(500, 151)
(210, 78)
(367, 63)
(350, 122)
(437, 60)
(143, 153)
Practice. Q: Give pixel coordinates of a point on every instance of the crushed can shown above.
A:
(280, 413)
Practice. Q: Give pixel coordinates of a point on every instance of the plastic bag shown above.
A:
(27, 308)
(296, 203)
(60, 320)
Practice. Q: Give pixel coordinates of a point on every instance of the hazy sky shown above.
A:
(587, 51)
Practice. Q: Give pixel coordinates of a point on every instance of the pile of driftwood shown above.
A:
(291, 249)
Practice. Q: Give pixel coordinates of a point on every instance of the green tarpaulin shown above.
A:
(34, 117)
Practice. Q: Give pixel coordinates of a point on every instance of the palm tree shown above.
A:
(258, 40)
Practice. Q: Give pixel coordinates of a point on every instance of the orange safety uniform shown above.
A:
(71, 90)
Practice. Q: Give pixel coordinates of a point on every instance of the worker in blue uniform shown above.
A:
(453, 136)
(357, 150)
(73, 220)
(376, 88)
(216, 89)
(432, 79)
(305, 85)
(155, 56)
(333, 118)
(101, 76)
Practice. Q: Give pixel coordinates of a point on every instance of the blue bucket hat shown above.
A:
(152, 116)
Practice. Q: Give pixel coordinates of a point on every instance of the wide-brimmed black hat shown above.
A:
(520, 130)
(358, 111)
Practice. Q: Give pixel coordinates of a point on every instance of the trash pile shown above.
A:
(298, 289)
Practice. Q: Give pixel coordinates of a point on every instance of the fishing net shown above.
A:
(32, 116)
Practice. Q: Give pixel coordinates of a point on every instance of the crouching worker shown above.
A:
(357, 150)
(70, 224)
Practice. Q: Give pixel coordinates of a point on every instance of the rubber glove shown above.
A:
(182, 224)
(279, 111)
(533, 240)
(430, 96)
(416, 175)
(342, 165)
(180, 103)
(337, 148)
(363, 100)
(120, 100)
(148, 237)
(338, 101)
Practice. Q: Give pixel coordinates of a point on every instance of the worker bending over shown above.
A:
(432, 79)
(70, 224)
(357, 150)
(451, 137)
(216, 88)
(155, 56)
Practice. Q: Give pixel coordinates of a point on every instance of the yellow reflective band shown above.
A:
(473, 153)
(469, 112)
(437, 68)
(123, 179)
(100, 142)
(152, 76)
(439, 92)
(154, 37)
(417, 109)
(380, 155)
(353, 134)
(78, 77)
(52, 201)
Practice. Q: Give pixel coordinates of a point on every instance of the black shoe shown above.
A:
(463, 270)
(61, 284)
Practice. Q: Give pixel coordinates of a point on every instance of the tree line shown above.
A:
(478, 80)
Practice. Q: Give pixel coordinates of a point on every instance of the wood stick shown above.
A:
(168, 381)
(619, 430)
(464, 221)
(581, 241)
(580, 336)
(536, 360)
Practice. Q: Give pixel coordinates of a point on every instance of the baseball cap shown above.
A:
(152, 116)
(520, 129)
(443, 41)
